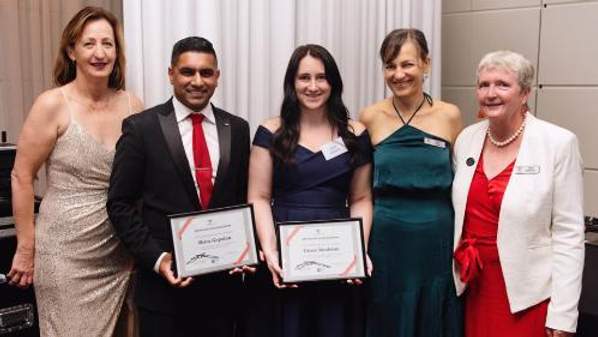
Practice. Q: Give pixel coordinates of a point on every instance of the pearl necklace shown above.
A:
(508, 140)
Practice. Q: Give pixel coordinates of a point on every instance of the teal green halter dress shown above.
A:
(411, 291)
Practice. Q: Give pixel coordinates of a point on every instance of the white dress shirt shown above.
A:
(210, 131)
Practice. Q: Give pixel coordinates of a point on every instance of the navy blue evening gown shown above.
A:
(312, 188)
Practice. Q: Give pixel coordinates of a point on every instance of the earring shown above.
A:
(481, 114)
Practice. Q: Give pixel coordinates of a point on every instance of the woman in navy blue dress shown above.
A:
(293, 177)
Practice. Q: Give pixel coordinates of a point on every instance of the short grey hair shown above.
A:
(512, 61)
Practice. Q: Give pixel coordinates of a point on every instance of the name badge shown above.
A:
(334, 148)
(527, 169)
(435, 142)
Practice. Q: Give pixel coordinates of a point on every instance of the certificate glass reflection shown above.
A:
(321, 250)
(213, 240)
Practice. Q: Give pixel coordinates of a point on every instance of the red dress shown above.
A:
(487, 312)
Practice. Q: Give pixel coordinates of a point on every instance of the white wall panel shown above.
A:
(517, 30)
(464, 98)
(501, 4)
(458, 65)
(467, 37)
(560, 37)
(451, 6)
(575, 109)
(590, 180)
(568, 45)
(550, 2)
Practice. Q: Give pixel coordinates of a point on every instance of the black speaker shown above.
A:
(588, 304)
(18, 313)
(7, 160)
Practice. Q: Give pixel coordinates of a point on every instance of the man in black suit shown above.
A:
(180, 156)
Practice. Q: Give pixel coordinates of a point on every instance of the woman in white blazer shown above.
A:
(517, 196)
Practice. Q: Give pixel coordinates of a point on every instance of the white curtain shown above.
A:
(29, 39)
(254, 40)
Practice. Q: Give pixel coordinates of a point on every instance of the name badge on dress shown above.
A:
(334, 148)
(434, 142)
(527, 169)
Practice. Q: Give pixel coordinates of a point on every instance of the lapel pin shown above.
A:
(470, 161)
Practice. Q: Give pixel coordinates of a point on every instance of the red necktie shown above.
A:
(201, 158)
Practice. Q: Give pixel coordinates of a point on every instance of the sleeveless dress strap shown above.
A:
(68, 105)
(427, 98)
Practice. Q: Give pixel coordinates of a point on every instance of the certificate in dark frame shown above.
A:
(362, 261)
(253, 244)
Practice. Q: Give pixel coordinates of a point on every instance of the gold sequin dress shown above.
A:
(82, 271)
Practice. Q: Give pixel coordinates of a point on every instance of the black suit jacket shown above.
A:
(151, 179)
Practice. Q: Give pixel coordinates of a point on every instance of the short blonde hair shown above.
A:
(512, 61)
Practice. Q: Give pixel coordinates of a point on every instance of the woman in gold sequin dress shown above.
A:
(70, 253)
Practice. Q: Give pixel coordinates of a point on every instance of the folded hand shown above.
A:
(21, 272)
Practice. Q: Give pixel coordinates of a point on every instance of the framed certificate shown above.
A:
(321, 250)
(213, 240)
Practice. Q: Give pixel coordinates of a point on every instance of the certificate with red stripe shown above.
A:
(213, 240)
(321, 250)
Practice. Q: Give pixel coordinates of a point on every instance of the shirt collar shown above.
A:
(181, 111)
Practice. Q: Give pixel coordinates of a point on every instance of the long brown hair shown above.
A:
(286, 137)
(65, 69)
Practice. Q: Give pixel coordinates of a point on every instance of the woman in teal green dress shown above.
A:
(411, 291)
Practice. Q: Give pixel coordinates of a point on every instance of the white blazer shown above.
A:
(540, 235)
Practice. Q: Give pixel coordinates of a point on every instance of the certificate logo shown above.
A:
(203, 257)
(313, 265)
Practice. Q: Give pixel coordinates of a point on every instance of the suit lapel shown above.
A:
(224, 142)
(172, 136)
